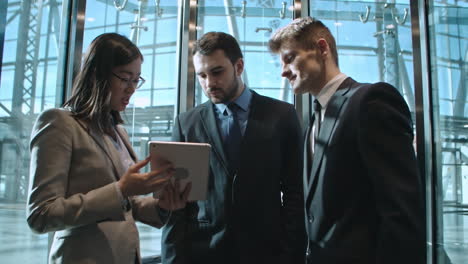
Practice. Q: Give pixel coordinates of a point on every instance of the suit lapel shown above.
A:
(208, 120)
(124, 136)
(330, 119)
(255, 122)
(104, 143)
(306, 170)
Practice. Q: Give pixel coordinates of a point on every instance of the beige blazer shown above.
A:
(73, 192)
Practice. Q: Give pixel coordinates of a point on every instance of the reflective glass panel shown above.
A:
(31, 81)
(373, 40)
(448, 31)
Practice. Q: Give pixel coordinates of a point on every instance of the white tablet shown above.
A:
(191, 162)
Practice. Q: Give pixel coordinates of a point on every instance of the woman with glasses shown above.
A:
(84, 175)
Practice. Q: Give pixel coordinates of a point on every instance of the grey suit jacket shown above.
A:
(73, 193)
(364, 197)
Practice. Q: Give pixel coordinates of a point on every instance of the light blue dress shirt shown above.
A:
(224, 115)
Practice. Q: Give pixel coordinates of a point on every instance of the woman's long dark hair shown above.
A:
(90, 100)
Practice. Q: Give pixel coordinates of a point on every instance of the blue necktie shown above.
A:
(233, 139)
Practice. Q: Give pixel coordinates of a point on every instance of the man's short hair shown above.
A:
(212, 41)
(304, 32)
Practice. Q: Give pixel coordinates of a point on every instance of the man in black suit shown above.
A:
(363, 192)
(254, 210)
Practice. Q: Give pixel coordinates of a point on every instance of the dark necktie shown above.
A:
(233, 139)
(317, 120)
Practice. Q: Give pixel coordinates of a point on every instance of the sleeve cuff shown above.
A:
(123, 201)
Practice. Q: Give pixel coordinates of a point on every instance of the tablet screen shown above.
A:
(191, 162)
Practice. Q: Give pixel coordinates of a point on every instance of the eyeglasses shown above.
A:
(134, 83)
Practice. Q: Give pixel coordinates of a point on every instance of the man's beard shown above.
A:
(230, 93)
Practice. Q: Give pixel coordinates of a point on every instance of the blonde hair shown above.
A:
(304, 32)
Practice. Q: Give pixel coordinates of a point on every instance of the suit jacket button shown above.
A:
(311, 218)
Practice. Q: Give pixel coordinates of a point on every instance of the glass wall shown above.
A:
(373, 40)
(448, 43)
(31, 81)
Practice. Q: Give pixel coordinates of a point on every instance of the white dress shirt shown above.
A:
(324, 97)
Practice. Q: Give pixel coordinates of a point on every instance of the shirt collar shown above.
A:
(242, 101)
(329, 89)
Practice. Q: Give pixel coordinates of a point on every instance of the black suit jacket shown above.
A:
(364, 199)
(255, 216)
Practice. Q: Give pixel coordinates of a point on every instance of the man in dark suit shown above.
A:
(254, 210)
(363, 192)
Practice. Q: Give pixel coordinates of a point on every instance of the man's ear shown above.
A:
(323, 46)
(239, 66)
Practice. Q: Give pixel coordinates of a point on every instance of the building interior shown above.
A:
(419, 46)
